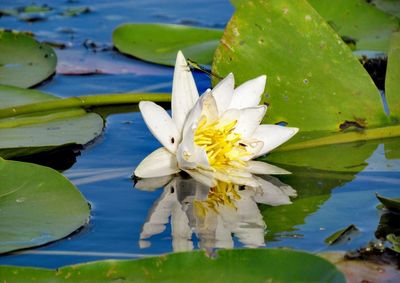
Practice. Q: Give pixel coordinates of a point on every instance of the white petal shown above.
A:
(203, 177)
(249, 93)
(194, 115)
(184, 91)
(160, 125)
(253, 146)
(271, 194)
(228, 116)
(249, 120)
(223, 92)
(273, 136)
(189, 155)
(209, 107)
(259, 167)
(150, 184)
(236, 179)
(158, 163)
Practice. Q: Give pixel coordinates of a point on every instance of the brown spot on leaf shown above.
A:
(358, 123)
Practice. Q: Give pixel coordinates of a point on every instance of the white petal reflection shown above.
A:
(217, 216)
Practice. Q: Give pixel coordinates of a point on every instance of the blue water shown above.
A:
(102, 171)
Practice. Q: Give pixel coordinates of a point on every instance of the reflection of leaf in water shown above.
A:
(313, 188)
(330, 167)
(346, 157)
(388, 224)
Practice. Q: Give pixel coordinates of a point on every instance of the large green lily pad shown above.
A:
(27, 134)
(314, 81)
(24, 62)
(392, 80)
(159, 43)
(37, 205)
(358, 22)
(257, 265)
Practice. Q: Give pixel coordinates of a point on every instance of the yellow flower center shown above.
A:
(222, 145)
(223, 194)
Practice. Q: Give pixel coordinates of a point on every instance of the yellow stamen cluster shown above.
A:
(223, 194)
(221, 144)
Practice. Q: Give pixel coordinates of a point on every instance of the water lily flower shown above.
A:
(214, 136)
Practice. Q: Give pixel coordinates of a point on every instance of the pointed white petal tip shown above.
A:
(180, 59)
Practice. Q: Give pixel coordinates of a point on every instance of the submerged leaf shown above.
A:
(24, 62)
(342, 235)
(37, 205)
(159, 43)
(252, 265)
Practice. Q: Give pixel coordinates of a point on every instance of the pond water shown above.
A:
(327, 200)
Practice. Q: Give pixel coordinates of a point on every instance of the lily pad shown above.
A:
(392, 204)
(159, 43)
(314, 80)
(257, 265)
(392, 82)
(24, 62)
(28, 134)
(368, 27)
(37, 206)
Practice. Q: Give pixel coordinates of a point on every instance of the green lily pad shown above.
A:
(159, 43)
(256, 265)
(28, 134)
(395, 241)
(24, 62)
(368, 27)
(74, 12)
(392, 204)
(392, 81)
(314, 81)
(342, 235)
(37, 206)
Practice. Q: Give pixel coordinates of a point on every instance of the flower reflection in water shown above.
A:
(212, 214)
